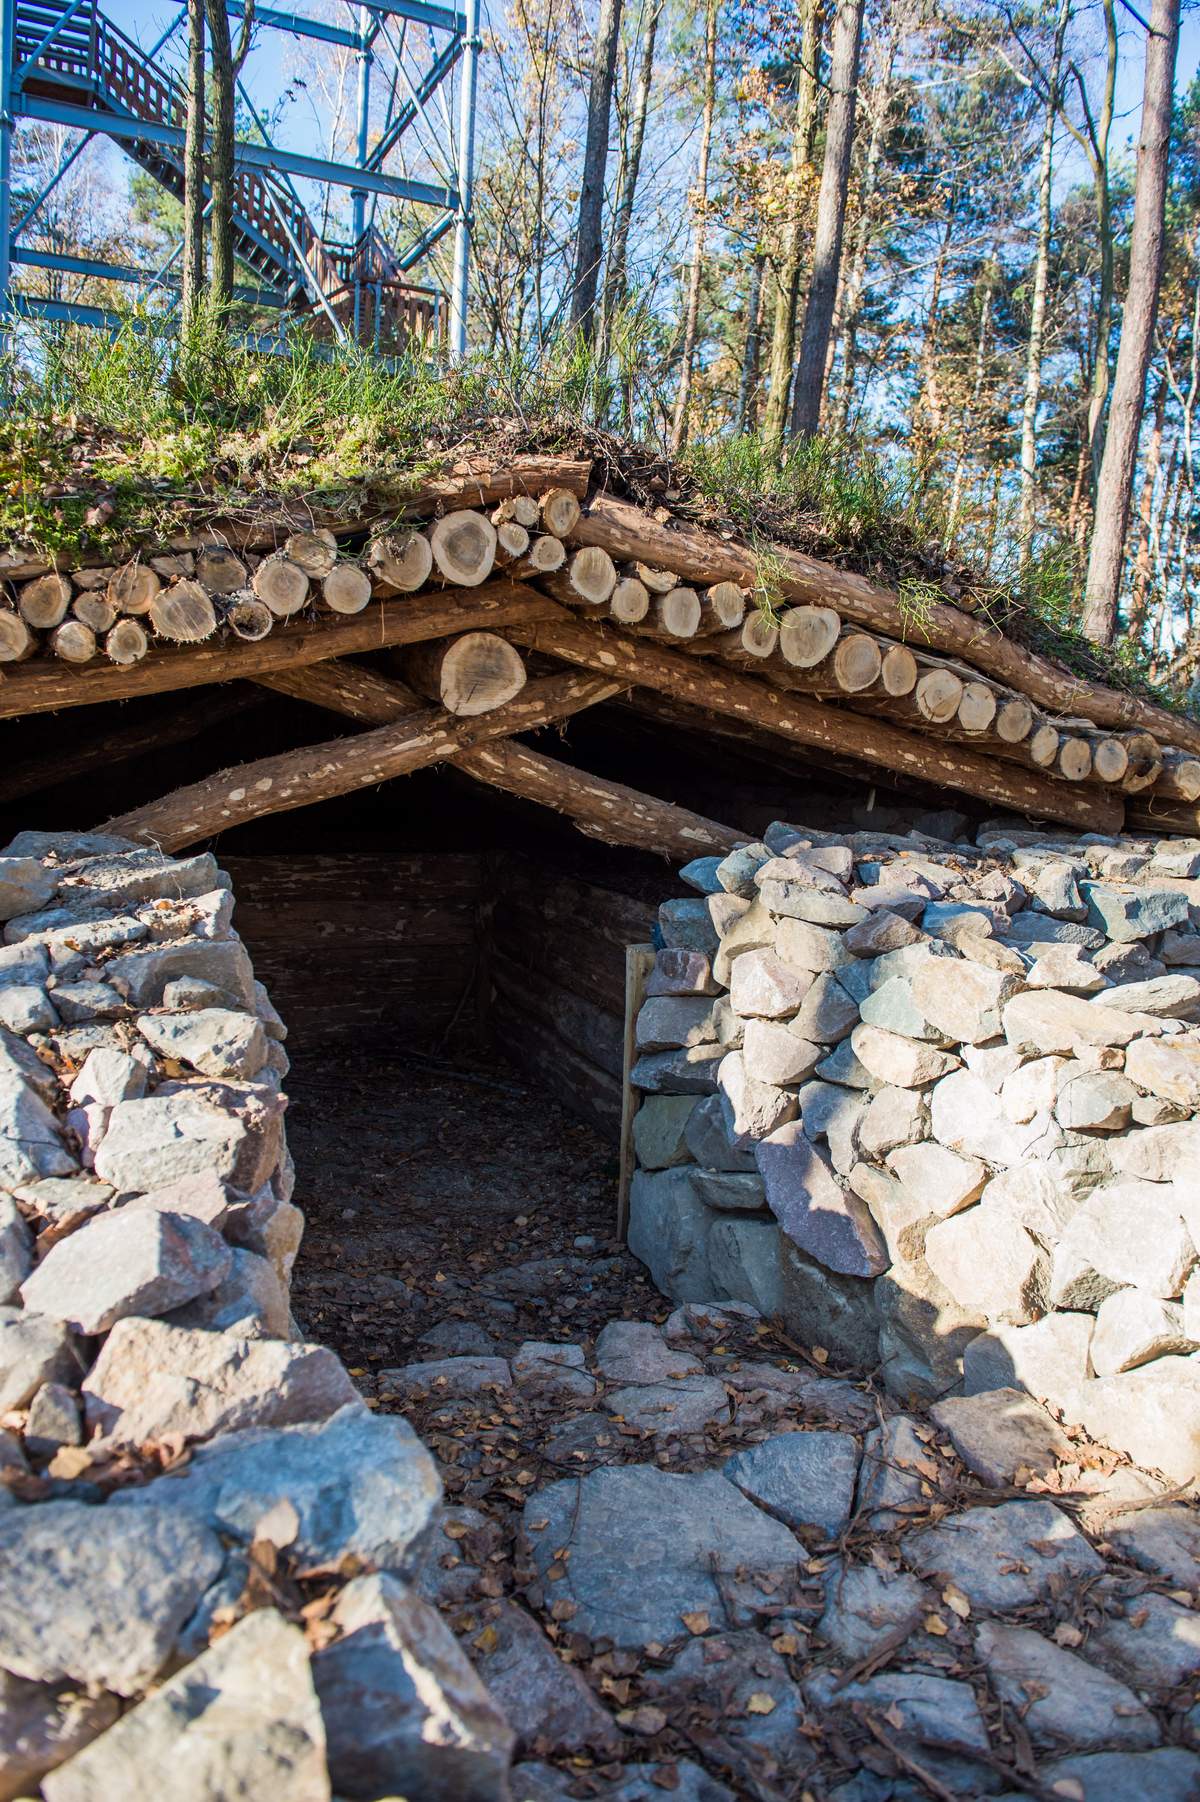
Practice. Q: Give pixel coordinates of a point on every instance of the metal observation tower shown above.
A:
(65, 63)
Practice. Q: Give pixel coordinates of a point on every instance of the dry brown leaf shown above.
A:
(955, 1600)
(697, 1621)
(934, 1624)
(646, 1720)
(759, 1702)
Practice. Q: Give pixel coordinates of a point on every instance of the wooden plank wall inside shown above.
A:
(361, 947)
(558, 983)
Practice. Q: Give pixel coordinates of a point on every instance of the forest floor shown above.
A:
(454, 1215)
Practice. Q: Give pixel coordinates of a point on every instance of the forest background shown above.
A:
(922, 231)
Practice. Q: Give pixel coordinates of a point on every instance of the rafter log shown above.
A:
(795, 717)
(630, 535)
(318, 772)
(601, 809)
(46, 687)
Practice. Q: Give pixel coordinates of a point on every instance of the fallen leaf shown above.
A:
(697, 1621)
(1067, 1635)
(645, 1720)
(934, 1624)
(954, 1599)
(759, 1702)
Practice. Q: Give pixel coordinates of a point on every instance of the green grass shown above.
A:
(134, 437)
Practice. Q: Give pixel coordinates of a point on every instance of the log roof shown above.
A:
(601, 596)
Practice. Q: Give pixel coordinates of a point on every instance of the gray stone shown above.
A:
(728, 1675)
(1063, 1700)
(923, 1331)
(25, 1009)
(897, 1481)
(251, 1301)
(458, 1339)
(1004, 1557)
(671, 1022)
(1169, 1067)
(687, 925)
(701, 874)
(747, 932)
(1159, 1154)
(1095, 1101)
(184, 1130)
(680, 972)
(215, 1041)
(1127, 963)
(962, 1001)
(1048, 1359)
(690, 1071)
(68, 847)
(634, 1351)
(865, 1606)
(797, 901)
(649, 1546)
(242, 1719)
(1067, 967)
(751, 1109)
(1151, 1641)
(658, 1130)
(708, 1141)
(361, 1486)
(772, 1054)
(805, 1479)
(707, 1322)
(807, 946)
(16, 1249)
(843, 1066)
(1056, 891)
(672, 1409)
(34, 1349)
(825, 1220)
(152, 1379)
(1164, 1541)
(668, 1231)
(638, 1783)
(31, 1144)
(1179, 947)
(1042, 1021)
(940, 1181)
(882, 931)
(131, 1262)
(202, 1196)
(269, 1226)
(108, 1077)
(404, 1712)
(1132, 1327)
(900, 1062)
(827, 1012)
(894, 1118)
(1128, 1232)
(76, 1002)
(53, 1421)
(144, 973)
(146, 875)
(1174, 997)
(1002, 1432)
(828, 1310)
(43, 1724)
(446, 1379)
(891, 1007)
(736, 871)
(1127, 914)
(96, 1595)
(989, 1264)
(25, 885)
(544, 1700)
(933, 1710)
(549, 1372)
(1152, 1414)
(1168, 1774)
(763, 986)
(730, 1191)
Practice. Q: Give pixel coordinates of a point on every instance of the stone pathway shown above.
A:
(687, 1557)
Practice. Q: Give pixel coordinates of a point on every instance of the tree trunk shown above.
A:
(831, 214)
(966, 432)
(787, 272)
(1037, 311)
(1098, 396)
(748, 384)
(589, 241)
(192, 267)
(616, 269)
(1143, 562)
(1114, 487)
(226, 66)
(691, 322)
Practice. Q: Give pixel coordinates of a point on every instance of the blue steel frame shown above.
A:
(452, 151)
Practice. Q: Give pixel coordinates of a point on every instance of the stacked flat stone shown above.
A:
(935, 1105)
(147, 1236)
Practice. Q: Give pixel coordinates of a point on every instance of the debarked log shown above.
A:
(601, 809)
(317, 772)
(865, 739)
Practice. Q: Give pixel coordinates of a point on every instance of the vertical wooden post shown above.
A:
(639, 961)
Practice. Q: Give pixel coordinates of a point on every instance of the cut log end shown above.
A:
(132, 588)
(512, 540)
(402, 562)
(590, 578)
(281, 584)
(1014, 721)
(560, 512)
(899, 671)
(73, 642)
(977, 707)
(17, 642)
(249, 618)
(856, 662)
(183, 612)
(807, 635)
(469, 675)
(313, 552)
(938, 694)
(96, 611)
(629, 601)
(677, 613)
(43, 602)
(127, 643)
(464, 547)
(346, 589)
(1043, 745)
(220, 570)
(1074, 762)
(658, 581)
(722, 607)
(760, 634)
(1110, 760)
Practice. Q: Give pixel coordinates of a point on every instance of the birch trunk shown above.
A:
(787, 274)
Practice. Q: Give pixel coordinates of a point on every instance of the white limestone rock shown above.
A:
(1032, 1088)
(751, 1109)
(763, 986)
(1132, 1327)
(893, 1118)
(1152, 1414)
(1048, 1359)
(1044, 1021)
(1126, 1233)
(775, 1056)
(940, 1179)
(899, 1062)
(133, 1262)
(988, 1262)
(1168, 1067)
(1095, 1101)
(215, 1041)
(187, 1129)
(963, 1003)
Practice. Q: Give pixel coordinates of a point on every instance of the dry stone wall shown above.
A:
(174, 1457)
(935, 1105)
